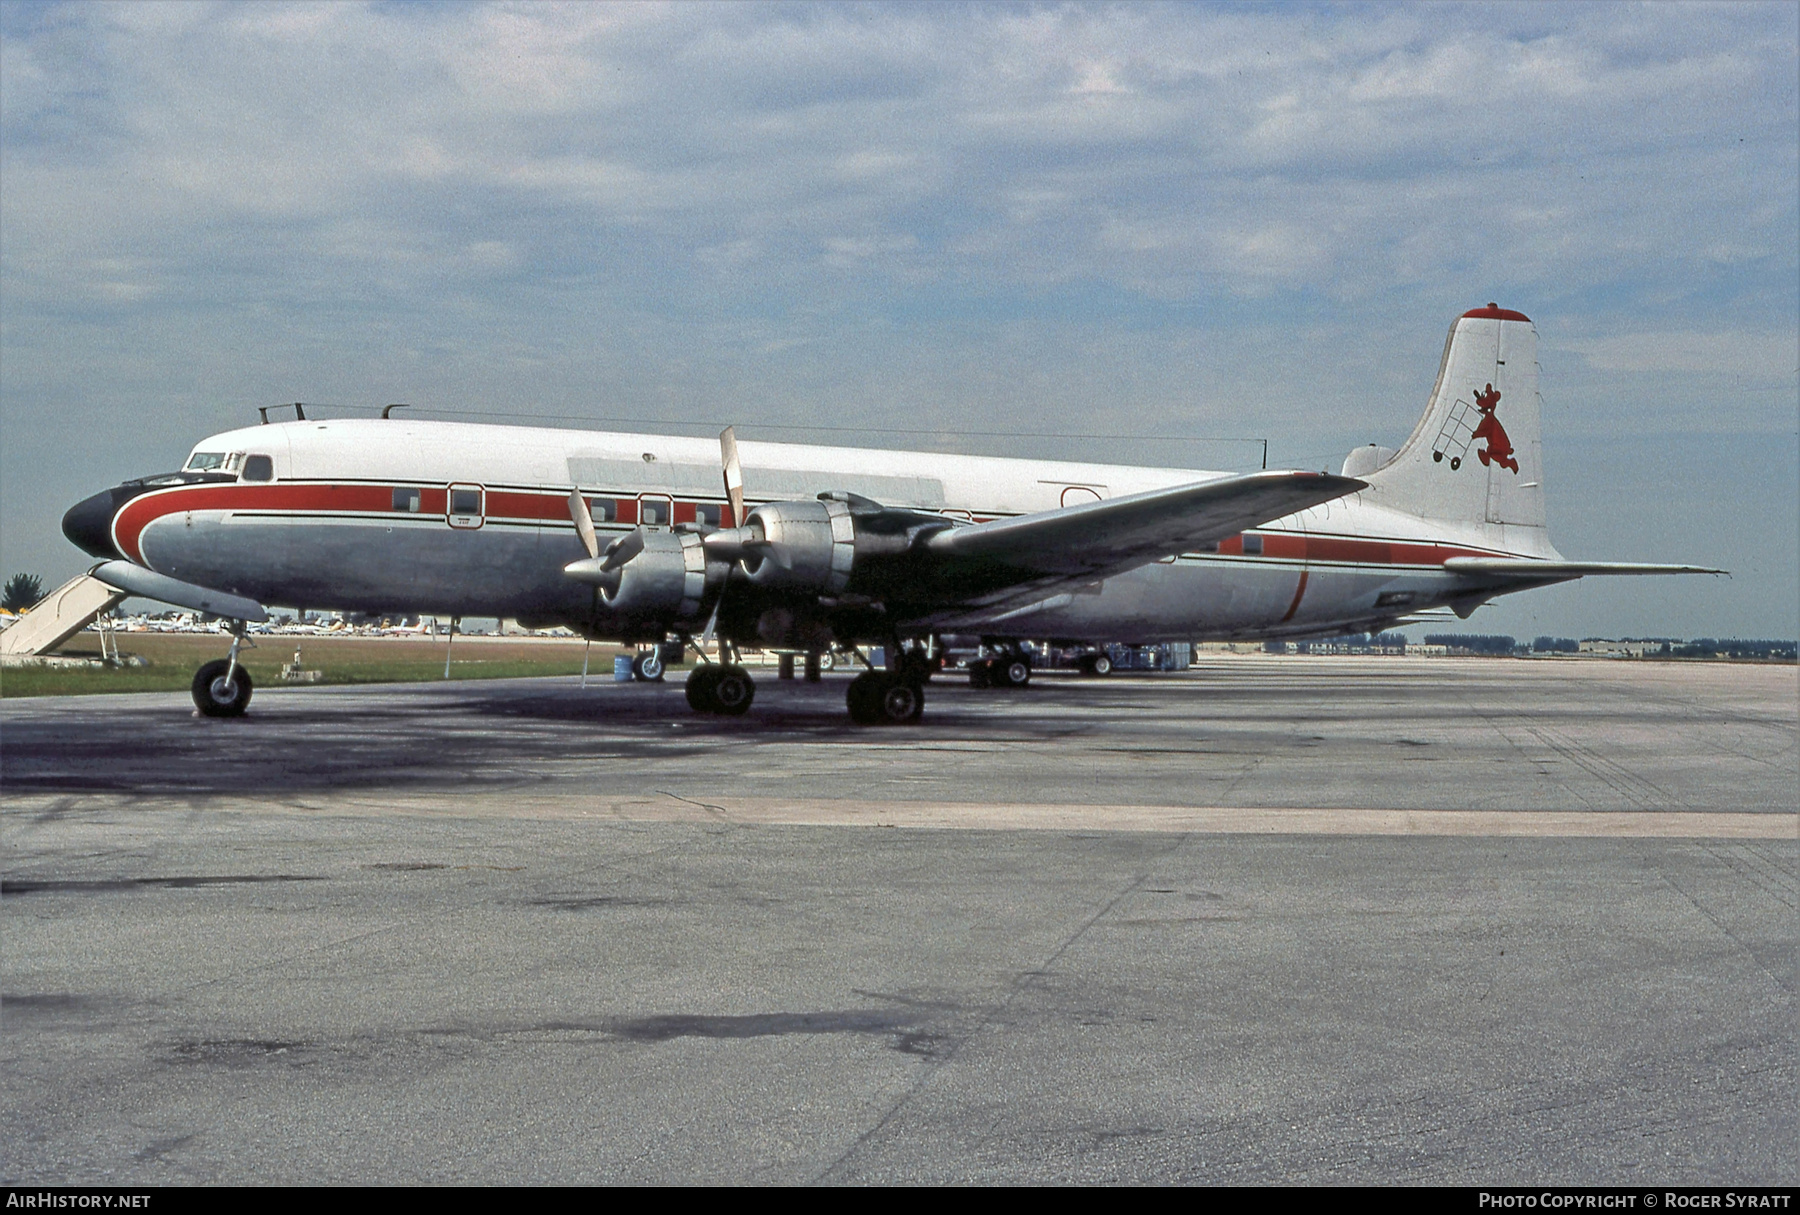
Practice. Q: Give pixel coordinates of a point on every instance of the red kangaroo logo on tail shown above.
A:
(1499, 449)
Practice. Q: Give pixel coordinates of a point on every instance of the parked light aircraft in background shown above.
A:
(643, 537)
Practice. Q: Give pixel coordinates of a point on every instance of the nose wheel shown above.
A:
(222, 689)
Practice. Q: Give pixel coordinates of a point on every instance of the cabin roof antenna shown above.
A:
(297, 407)
(387, 411)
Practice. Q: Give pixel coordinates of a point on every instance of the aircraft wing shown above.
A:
(1120, 533)
(1561, 571)
(1030, 559)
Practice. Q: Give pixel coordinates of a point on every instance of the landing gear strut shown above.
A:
(221, 687)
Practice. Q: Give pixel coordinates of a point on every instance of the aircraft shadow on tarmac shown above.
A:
(427, 737)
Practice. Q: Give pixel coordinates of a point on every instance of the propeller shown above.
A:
(734, 474)
(597, 568)
(733, 544)
(584, 522)
(623, 549)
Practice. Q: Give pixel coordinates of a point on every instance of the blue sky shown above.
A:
(1147, 221)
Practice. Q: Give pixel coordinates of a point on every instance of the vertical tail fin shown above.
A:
(1476, 457)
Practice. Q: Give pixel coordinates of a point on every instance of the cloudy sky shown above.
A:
(988, 228)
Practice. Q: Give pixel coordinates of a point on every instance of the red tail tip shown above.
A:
(1493, 312)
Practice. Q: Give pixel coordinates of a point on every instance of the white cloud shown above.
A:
(677, 202)
(1145, 147)
(1761, 356)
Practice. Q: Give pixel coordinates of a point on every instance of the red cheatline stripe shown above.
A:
(552, 507)
(1291, 546)
(1299, 593)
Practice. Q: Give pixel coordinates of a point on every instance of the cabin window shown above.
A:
(463, 507)
(603, 510)
(406, 499)
(1252, 544)
(259, 468)
(656, 510)
(203, 461)
(706, 516)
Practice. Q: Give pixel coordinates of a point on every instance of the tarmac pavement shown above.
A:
(1306, 920)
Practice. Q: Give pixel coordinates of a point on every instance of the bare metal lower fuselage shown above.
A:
(1319, 572)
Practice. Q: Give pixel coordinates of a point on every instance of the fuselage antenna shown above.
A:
(297, 407)
(387, 411)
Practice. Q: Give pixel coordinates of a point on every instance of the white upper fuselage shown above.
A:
(982, 487)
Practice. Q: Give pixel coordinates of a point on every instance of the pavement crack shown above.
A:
(717, 812)
(1022, 982)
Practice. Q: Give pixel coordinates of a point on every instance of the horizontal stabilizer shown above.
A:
(137, 580)
(1122, 533)
(1495, 567)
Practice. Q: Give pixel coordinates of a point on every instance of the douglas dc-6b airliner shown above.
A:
(646, 537)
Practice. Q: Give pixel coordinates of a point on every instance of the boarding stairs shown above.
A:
(60, 615)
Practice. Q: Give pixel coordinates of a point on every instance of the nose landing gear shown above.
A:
(222, 688)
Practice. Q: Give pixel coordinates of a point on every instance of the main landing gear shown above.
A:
(886, 698)
(1008, 670)
(222, 688)
(894, 696)
(723, 688)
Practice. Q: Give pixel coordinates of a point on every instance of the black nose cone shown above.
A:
(88, 525)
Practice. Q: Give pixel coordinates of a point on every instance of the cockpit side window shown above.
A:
(201, 461)
(259, 468)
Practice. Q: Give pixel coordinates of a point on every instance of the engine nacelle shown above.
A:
(801, 546)
(667, 579)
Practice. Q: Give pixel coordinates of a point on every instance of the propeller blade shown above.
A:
(734, 475)
(623, 549)
(584, 523)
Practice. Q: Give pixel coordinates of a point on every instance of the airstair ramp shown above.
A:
(60, 615)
